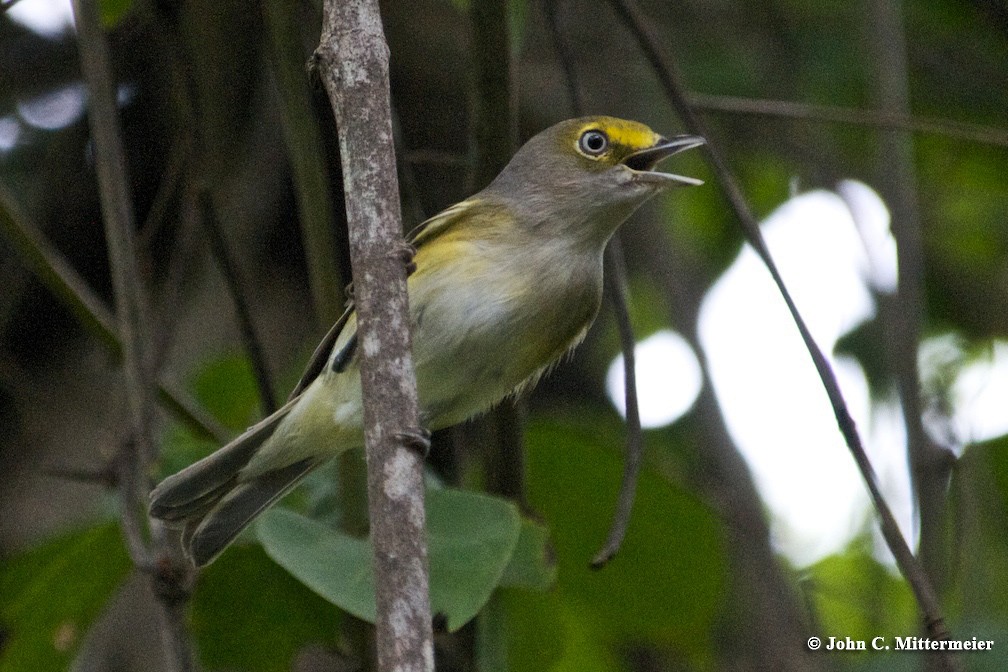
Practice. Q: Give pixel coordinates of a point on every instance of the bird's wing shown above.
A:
(420, 235)
(321, 355)
(441, 222)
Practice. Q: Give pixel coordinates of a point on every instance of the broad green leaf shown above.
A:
(50, 595)
(666, 583)
(532, 564)
(248, 614)
(471, 537)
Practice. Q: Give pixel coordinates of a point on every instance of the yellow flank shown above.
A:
(629, 134)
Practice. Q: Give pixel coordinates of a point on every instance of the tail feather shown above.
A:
(207, 535)
(215, 501)
(198, 486)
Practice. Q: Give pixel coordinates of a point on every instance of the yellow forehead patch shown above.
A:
(630, 134)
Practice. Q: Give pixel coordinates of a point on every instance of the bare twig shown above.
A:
(353, 60)
(930, 464)
(768, 629)
(671, 81)
(890, 119)
(236, 288)
(552, 10)
(493, 116)
(131, 312)
(176, 164)
(303, 142)
(62, 280)
(494, 140)
(616, 291)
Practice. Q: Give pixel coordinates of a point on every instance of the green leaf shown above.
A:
(226, 387)
(49, 596)
(249, 614)
(666, 583)
(978, 514)
(471, 538)
(857, 597)
(532, 564)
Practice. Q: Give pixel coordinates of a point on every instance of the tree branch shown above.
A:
(60, 278)
(616, 292)
(303, 142)
(131, 313)
(236, 288)
(494, 139)
(353, 60)
(883, 118)
(930, 464)
(671, 81)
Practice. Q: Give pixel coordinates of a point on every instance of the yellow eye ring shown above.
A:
(593, 143)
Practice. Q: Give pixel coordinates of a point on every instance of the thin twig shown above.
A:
(236, 288)
(552, 10)
(105, 476)
(772, 629)
(890, 119)
(303, 144)
(176, 165)
(672, 83)
(930, 464)
(56, 273)
(616, 291)
(131, 312)
(493, 139)
(353, 62)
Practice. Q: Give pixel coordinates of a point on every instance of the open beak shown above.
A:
(644, 161)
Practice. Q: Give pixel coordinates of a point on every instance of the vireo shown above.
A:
(505, 283)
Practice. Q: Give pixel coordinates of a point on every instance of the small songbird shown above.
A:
(505, 283)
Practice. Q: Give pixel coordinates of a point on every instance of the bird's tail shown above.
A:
(213, 500)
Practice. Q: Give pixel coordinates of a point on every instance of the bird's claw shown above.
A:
(417, 440)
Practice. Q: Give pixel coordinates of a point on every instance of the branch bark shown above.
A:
(168, 575)
(353, 63)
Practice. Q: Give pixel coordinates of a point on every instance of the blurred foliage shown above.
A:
(201, 110)
(50, 595)
(248, 614)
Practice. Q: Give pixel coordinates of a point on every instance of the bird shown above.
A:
(503, 284)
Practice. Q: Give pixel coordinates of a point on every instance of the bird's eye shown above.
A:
(593, 143)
